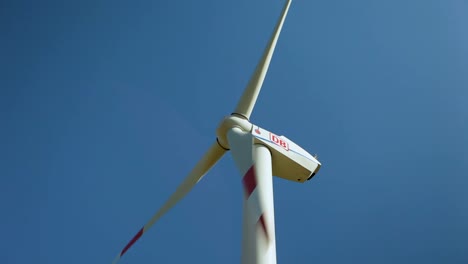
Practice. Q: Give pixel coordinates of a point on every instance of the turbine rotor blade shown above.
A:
(203, 166)
(249, 97)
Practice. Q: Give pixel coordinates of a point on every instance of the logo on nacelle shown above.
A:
(278, 141)
(258, 130)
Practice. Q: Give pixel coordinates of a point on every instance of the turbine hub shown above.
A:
(228, 123)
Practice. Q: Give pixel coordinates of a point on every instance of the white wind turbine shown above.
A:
(259, 154)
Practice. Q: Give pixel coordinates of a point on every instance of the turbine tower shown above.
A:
(259, 154)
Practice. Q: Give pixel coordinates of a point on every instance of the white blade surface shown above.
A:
(249, 97)
(203, 166)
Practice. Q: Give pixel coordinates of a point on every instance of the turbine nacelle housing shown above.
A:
(290, 161)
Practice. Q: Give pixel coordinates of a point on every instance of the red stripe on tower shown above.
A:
(262, 222)
(249, 181)
(134, 239)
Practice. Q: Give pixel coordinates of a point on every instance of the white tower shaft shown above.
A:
(258, 231)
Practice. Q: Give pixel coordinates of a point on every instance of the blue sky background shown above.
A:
(106, 106)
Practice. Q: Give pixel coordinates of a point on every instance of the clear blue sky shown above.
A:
(105, 106)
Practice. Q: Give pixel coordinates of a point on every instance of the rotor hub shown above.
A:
(228, 123)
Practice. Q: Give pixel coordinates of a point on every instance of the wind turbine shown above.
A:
(259, 154)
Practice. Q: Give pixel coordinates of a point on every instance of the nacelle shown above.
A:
(290, 161)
